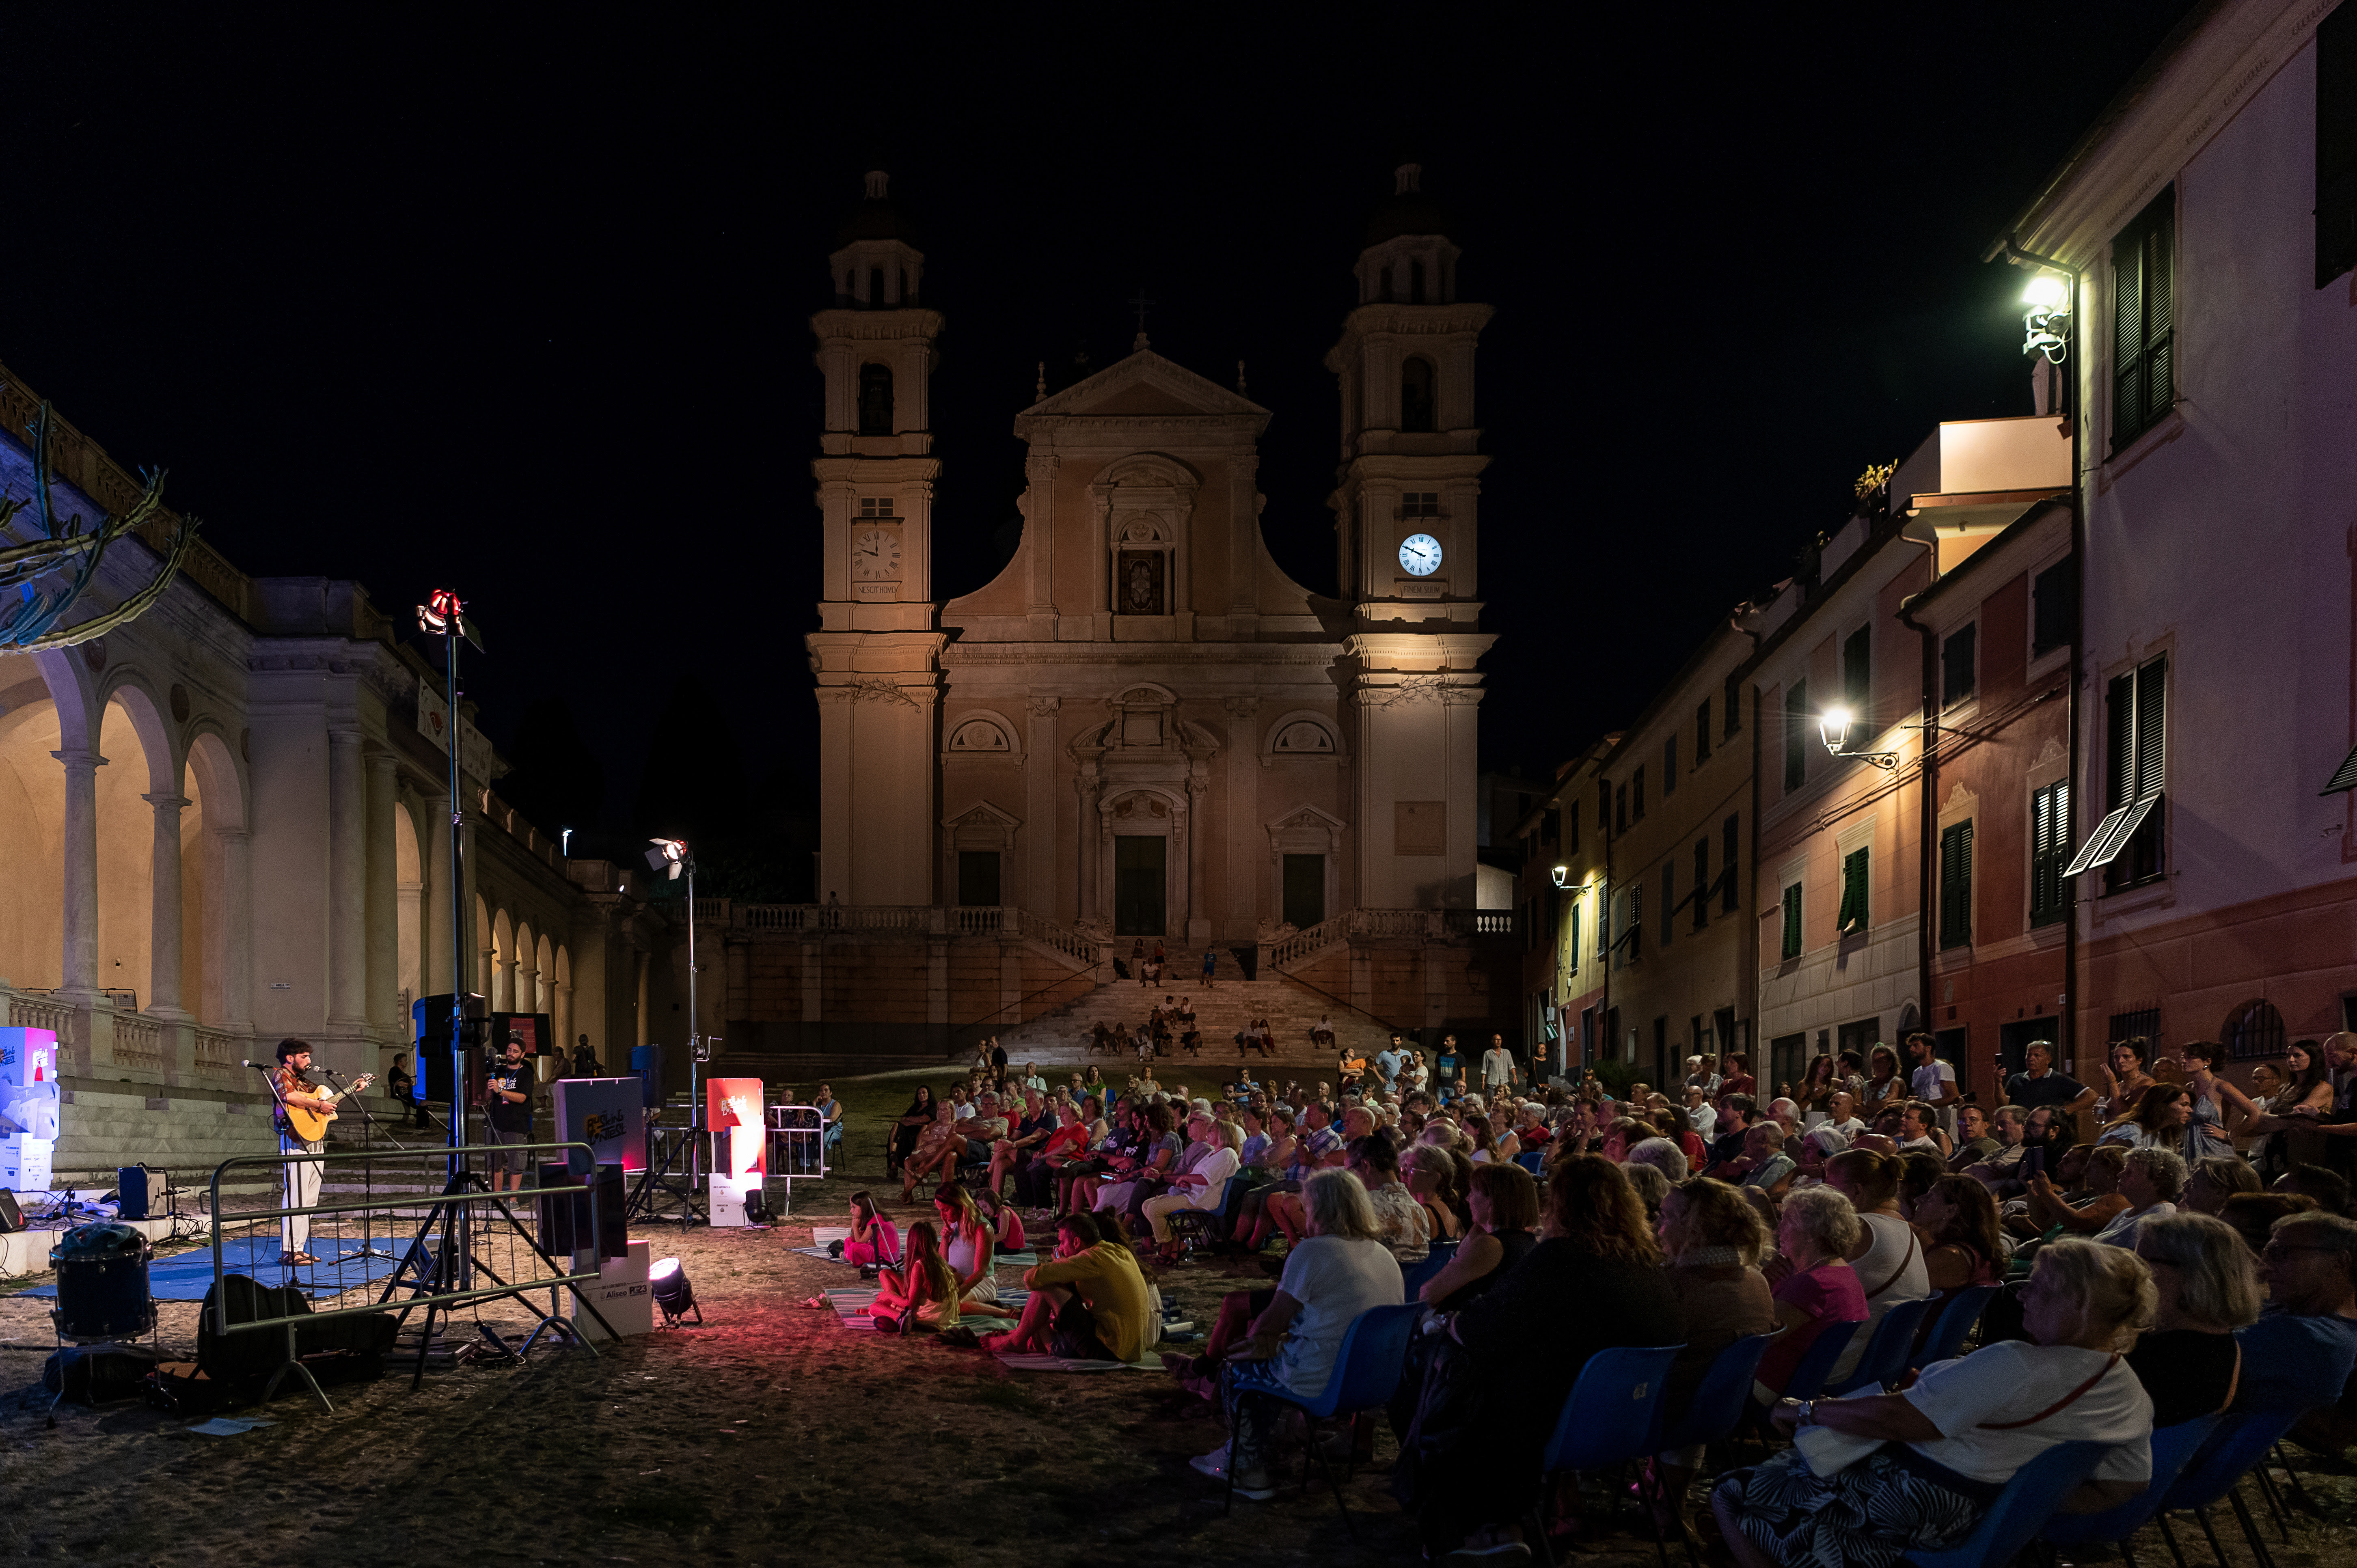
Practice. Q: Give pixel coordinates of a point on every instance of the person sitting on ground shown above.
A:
(922, 1292)
(2215, 1180)
(939, 1149)
(968, 1247)
(1815, 1233)
(1469, 1469)
(2104, 1202)
(1401, 1222)
(1006, 1224)
(2189, 1360)
(2299, 1353)
(2151, 1179)
(1339, 1271)
(1715, 1242)
(874, 1239)
(1088, 1303)
(1204, 1184)
(1950, 1443)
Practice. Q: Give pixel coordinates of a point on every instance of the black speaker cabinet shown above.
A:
(430, 1029)
(565, 1219)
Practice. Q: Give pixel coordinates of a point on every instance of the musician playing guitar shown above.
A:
(296, 1093)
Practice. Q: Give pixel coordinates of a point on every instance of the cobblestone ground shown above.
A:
(768, 1435)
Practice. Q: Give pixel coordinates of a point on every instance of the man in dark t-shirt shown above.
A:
(2040, 1084)
(507, 1095)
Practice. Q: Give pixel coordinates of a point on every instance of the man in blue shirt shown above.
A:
(2300, 1353)
(1389, 1060)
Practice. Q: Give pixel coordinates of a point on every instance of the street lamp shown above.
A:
(1833, 727)
(1563, 877)
(2046, 320)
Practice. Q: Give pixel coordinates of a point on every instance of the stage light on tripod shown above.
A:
(667, 856)
(668, 1282)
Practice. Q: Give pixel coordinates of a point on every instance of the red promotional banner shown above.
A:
(733, 1106)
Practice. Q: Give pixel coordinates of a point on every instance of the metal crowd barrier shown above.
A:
(434, 1235)
(797, 1145)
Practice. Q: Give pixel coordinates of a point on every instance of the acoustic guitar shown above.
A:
(312, 1125)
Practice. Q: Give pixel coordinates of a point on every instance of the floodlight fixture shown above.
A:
(667, 856)
(667, 1281)
(2046, 317)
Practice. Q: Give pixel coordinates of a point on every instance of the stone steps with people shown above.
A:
(1292, 1011)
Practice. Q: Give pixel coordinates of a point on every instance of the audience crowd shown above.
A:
(2161, 1247)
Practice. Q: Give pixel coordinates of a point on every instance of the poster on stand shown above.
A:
(733, 1110)
(29, 1102)
(606, 1114)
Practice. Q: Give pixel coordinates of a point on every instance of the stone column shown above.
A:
(79, 852)
(1199, 926)
(1239, 812)
(1085, 786)
(346, 887)
(381, 923)
(435, 971)
(642, 996)
(1043, 847)
(164, 939)
(237, 931)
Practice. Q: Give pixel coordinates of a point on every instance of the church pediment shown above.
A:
(1145, 386)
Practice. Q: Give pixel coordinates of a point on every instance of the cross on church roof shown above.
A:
(1139, 302)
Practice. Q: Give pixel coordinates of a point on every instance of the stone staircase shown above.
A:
(1060, 1037)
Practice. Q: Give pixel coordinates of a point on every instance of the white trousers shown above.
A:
(302, 1188)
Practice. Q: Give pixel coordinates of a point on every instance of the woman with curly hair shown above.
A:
(1469, 1467)
(2158, 1122)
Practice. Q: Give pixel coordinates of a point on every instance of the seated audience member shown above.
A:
(2213, 1181)
(2189, 1361)
(1888, 1255)
(1918, 1169)
(2049, 1207)
(1814, 1236)
(1661, 1153)
(1469, 1467)
(1011, 1154)
(970, 1247)
(1430, 1172)
(2299, 1354)
(907, 1127)
(1036, 1183)
(1975, 1141)
(2159, 1121)
(1951, 1442)
(1843, 1118)
(1956, 1221)
(1919, 1129)
(938, 1150)
(1701, 1114)
(1714, 1241)
(1651, 1187)
(874, 1238)
(984, 1129)
(1139, 1177)
(920, 1291)
(1339, 1271)
(2329, 1188)
(1727, 1146)
(2151, 1179)
(1763, 1163)
(1678, 1128)
(1006, 1224)
(1813, 1149)
(1203, 1186)
(1504, 1201)
(1401, 1222)
(1258, 1139)
(2000, 1170)
(1088, 1303)
(2253, 1214)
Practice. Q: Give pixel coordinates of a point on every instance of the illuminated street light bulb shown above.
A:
(1563, 877)
(2046, 292)
(1833, 725)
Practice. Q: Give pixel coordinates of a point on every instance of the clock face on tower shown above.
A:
(875, 554)
(1420, 554)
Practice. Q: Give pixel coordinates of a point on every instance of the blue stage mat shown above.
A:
(186, 1276)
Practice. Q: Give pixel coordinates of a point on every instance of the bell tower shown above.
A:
(1406, 507)
(876, 651)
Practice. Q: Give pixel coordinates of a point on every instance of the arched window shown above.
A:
(874, 400)
(2253, 1032)
(1415, 395)
(1416, 283)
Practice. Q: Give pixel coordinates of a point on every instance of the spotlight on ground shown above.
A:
(673, 1293)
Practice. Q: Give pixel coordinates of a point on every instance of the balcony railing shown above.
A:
(138, 1042)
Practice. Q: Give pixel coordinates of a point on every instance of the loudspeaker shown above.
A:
(11, 1217)
(646, 1061)
(565, 1219)
(430, 1030)
(131, 1192)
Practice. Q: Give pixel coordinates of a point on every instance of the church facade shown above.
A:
(1142, 726)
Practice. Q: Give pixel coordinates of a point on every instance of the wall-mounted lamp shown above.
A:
(1563, 877)
(2046, 318)
(1832, 726)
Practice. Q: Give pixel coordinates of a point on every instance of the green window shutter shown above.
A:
(1702, 884)
(1956, 886)
(1669, 900)
(1853, 915)
(1792, 921)
(2049, 852)
(2144, 319)
(1857, 674)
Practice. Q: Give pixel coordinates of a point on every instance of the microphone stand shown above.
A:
(367, 1247)
(285, 1171)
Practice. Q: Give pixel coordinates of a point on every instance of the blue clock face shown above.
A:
(1420, 554)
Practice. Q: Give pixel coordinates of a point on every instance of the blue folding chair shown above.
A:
(2240, 1442)
(2173, 1448)
(1888, 1353)
(1955, 1322)
(1808, 1375)
(1366, 1374)
(1716, 1409)
(1613, 1416)
(1532, 1161)
(1435, 1260)
(1189, 1227)
(2028, 1502)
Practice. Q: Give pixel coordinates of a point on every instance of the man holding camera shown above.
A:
(507, 1095)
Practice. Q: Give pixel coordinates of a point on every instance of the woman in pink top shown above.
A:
(1818, 1230)
(874, 1238)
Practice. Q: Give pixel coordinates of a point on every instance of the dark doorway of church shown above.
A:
(1305, 890)
(1137, 884)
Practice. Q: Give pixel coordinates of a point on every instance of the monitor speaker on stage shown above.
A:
(646, 1061)
(430, 1029)
(131, 1192)
(11, 1217)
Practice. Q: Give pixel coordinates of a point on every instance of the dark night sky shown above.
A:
(522, 304)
